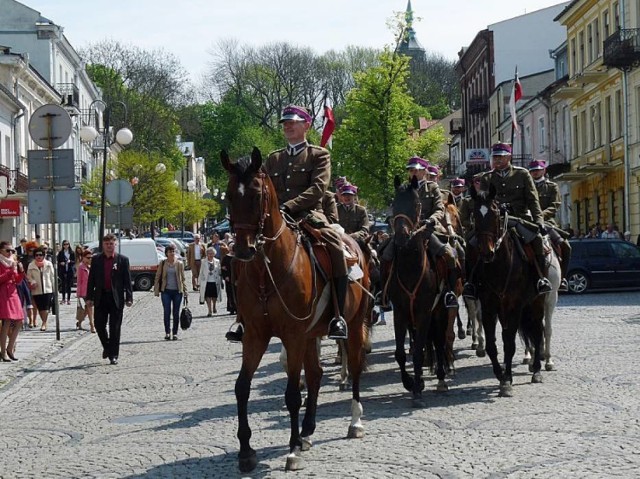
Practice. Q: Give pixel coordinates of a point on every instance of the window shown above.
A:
(583, 132)
(555, 127)
(616, 14)
(605, 24)
(608, 127)
(527, 140)
(625, 250)
(619, 123)
(599, 250)
(596, 37)
(541, 135)
(574, 138)
(581, 46)
(590, 42)
(574, 61)
(595, 126)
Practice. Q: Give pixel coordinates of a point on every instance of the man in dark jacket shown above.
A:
(109, 290)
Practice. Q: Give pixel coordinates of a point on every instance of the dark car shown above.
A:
(603, 264)
(222, 228)
(186, 236)
(379, 226)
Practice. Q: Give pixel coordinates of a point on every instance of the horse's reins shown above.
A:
(497, 246)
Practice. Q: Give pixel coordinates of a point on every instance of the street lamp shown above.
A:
(89, 133)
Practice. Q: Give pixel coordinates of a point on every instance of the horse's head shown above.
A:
(250, 195)
(486, 216)
(406, 209)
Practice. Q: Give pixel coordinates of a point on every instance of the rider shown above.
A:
(300, 174)
(433, 173)
(550, 202)
(457, 190)
(515, 190)
(431, 215)
(352, 216)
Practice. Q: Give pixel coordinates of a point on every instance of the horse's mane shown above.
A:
(242, 169)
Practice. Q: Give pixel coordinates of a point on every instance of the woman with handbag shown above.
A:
(83, 309)
(41, 277)
(66, 261)
(210, 274)
(170, 285)
(11, 312)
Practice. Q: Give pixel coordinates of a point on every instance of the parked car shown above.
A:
(164, 242)
(143, 260)
(379, 225)
(603, 264)
(186, 236)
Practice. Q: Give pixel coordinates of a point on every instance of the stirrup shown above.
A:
(337, 328)
(450, 300)
(469, 291)
(543, 286)
(564, 285)
(235, 336)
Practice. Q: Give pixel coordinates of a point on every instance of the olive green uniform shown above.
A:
(354, 220)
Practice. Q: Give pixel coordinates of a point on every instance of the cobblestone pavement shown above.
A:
(168, 409)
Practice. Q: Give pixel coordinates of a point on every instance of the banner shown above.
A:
(9, 208)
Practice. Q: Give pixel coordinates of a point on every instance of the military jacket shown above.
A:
(432, 206)
(517, 189)
(330, 206)
(465, 210)
(549, 200)
(300, 180)
(354, 220)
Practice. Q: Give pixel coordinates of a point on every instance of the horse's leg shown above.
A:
(536, 317)
(400, 329)
(489, 318)
(313, 374)
(356, 354)
(549, 308)
(344, 369)
(450, 338)
(509, 344)
(251, 356)
(420, 339)
(461, 332)
(479, 330)
(293, 400)
(439, 332)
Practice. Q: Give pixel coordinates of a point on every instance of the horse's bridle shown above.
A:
(497, 236)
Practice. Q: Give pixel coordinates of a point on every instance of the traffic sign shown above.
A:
(119, 192)
(50, 126)
(64, 174)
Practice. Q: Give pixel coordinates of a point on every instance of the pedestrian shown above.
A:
(32, 312)
(108, 291)
(211, 277)
(610, 232)
(171, 286)
(215, 244)
(81, 290)
(225, 268)
(41, 277)
(66, 263)
(11, 312)
(195, 255)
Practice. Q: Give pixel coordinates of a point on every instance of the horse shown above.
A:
(506, 289)
(281, 294)
(412, 288)
(550, 300)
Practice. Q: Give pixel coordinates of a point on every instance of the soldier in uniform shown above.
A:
(457, 190)
(431, 214)
(353, 217)
(301, 173)
(550, 202)
(433, 174)
(338, 183)
(515, 190)
(330, 206)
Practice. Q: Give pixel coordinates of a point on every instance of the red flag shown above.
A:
(516, 94)
(329, 124)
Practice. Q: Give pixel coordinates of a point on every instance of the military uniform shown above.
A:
(354, 220)
(515, 188)
(330, 206)
(301, 179)
(549, 200)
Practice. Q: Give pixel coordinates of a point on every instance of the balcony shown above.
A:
(622, 49)
(18, 182)
(478, 106)
(456, 126)
(70, 95)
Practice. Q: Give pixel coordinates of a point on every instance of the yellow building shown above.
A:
(603, 39)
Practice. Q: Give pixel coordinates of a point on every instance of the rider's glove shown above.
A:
(543, 229)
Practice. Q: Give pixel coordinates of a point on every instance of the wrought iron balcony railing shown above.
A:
(622, 49)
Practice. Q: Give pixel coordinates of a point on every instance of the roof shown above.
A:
(566, 10)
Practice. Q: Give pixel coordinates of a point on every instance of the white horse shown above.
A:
(550, 301)
(474, 326)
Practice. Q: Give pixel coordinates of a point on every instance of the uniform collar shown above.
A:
(293, 150)
(540, 181)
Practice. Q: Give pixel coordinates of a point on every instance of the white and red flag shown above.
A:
(329, 124)
(516, 94)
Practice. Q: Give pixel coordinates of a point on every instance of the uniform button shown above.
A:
(288, 176)
(288, 189)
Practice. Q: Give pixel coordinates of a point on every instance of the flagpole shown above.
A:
(513, 126)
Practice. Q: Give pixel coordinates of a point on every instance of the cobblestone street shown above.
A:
(168, 409)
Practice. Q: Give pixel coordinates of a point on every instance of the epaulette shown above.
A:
(519, 168)
(316, 147)
(277, 151)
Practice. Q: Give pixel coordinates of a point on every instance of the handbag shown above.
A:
(80, 312)
(185, 314)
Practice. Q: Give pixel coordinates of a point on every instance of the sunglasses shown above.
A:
(38, 254)
(9, 250)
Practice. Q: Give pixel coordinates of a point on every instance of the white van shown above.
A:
(144, 259)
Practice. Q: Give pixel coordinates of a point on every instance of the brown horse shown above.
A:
(280, 294)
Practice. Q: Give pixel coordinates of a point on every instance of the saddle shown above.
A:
(319, 253)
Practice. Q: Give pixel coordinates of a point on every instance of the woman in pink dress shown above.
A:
(11, 312)
(81, 291)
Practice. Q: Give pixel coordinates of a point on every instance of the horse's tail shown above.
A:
(531, 323)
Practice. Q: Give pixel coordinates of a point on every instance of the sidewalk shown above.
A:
(35, 345)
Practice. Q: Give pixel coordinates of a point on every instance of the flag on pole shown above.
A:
(516, 94)
(329, 124)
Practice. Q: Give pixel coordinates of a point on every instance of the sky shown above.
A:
(191, 29)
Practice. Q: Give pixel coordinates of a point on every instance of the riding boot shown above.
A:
(544, 285)
(338, 326)
(469, 289)
(450, 299)
(565, 249)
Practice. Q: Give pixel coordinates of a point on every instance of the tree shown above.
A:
(372, 143)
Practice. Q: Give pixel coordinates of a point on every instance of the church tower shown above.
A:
(410, 45)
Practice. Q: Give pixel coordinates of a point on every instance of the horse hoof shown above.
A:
(526, 360)
(530, 367)
(418, 403)
(474, 346)
(294, 463)
(306, 443)
(442, 387)
(355, 432)
(461, 334)
(247, 462)
(343, 387)
(506, 391)
(536, 378)
(550, 367)
(481, 353)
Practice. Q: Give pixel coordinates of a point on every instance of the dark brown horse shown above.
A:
(280, 294)
(412, 288)
(506, 283)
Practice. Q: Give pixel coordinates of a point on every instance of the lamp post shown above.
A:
(89, 133)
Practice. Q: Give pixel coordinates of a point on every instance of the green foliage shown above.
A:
(428, 144)
(372, 144)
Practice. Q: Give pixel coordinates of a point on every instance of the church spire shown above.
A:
(410, 44)
(408, 16)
